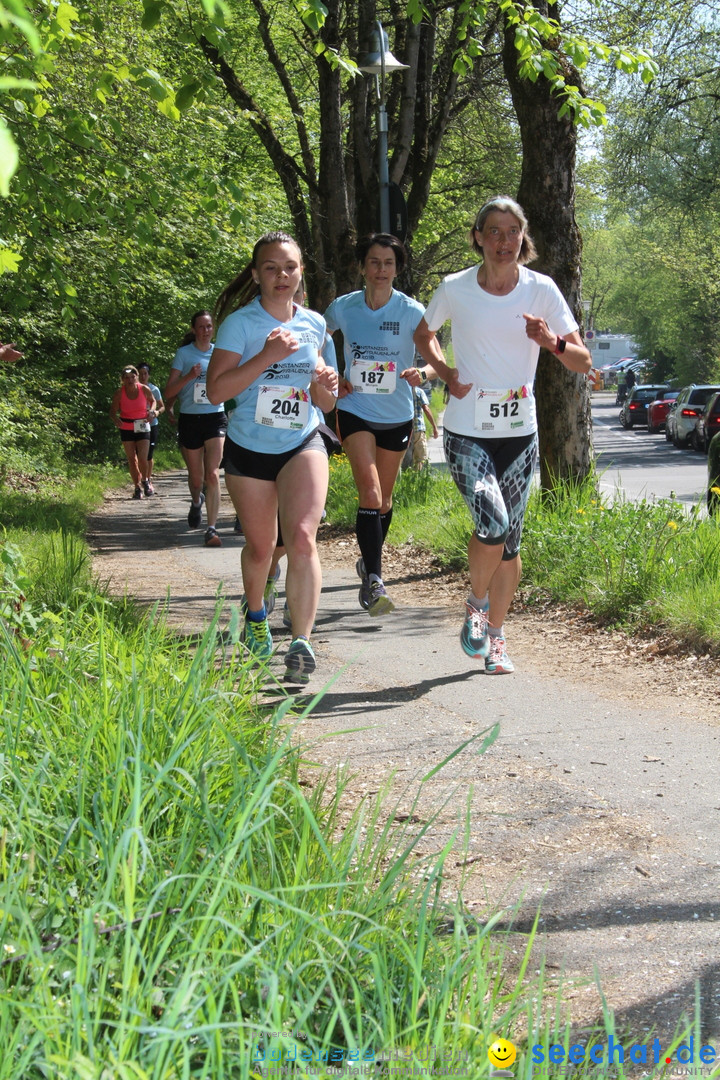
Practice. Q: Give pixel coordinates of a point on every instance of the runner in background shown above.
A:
(144, 377)
(131, 411)
(201, 425)
(417, 453)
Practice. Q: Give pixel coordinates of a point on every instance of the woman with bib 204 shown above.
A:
(502, 314)
(375, 402)
(267, 357)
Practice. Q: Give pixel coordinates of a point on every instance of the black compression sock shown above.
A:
(368, 529)
(385, 520)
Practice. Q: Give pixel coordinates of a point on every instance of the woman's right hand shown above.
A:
(456, 388)
(279, 344)
(344, 388)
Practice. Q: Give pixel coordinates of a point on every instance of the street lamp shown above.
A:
(377, 62)
(587, 308)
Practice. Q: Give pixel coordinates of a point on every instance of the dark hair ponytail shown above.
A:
(189, 338)
(244, 288)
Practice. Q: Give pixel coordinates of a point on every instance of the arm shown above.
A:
(159, 404)
(431, 420)
(427, 345)
(227, 376)
(150, 402)
(574, 356)
(115, 410)
(9, 354)
(324, 388)
(177, 382)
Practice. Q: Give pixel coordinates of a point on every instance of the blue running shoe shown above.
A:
(299, 661)
(258, 639)
(497, 661)
(474, 634)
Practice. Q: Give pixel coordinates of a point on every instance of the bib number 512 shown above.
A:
(508, 408)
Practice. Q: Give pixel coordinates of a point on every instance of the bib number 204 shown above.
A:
(508, 408)
(285, 408)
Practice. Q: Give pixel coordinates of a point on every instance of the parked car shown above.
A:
(657, 410)
(707, 424)
(634, 410)
(681, 419)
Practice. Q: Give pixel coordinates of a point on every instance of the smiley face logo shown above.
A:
(502, 1054)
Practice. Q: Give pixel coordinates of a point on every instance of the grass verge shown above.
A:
(637, 565)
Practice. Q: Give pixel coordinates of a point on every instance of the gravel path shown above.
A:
(598, 802)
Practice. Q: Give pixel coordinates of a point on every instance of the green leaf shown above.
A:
(186, 95)
(8, 165)
(65, 16)
(9, 261)
(152, 15)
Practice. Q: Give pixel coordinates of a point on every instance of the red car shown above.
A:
(658, 410)
(707, 424)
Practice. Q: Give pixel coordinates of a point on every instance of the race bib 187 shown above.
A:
(373, 376)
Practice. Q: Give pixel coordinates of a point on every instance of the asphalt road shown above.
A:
(643, 466)
(634, 463)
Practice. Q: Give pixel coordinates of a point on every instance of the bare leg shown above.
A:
(213, 456)
(195, 461)
(302, 488)
(255, 502)
(131, 455)
(374, 470)
(502, 590)
(141, 449)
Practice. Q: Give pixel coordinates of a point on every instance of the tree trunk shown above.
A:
(547, 195)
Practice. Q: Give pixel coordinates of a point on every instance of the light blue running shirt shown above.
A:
(193, 398)
(155, 391)
(378, 346)
(275, 413)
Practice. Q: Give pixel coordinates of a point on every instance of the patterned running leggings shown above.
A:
(493, 476)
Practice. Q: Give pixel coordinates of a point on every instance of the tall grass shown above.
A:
(171, 895)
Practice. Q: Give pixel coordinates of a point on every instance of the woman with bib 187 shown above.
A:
(502, 314)
(375, 402)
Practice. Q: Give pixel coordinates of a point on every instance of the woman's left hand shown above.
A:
(538, 331)
(327, 377)
(412, 376)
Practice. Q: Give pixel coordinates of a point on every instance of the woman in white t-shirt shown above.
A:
(502, 314)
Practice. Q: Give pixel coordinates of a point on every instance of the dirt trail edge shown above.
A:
(599, 801)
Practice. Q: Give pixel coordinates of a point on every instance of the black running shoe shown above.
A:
(195, 514)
